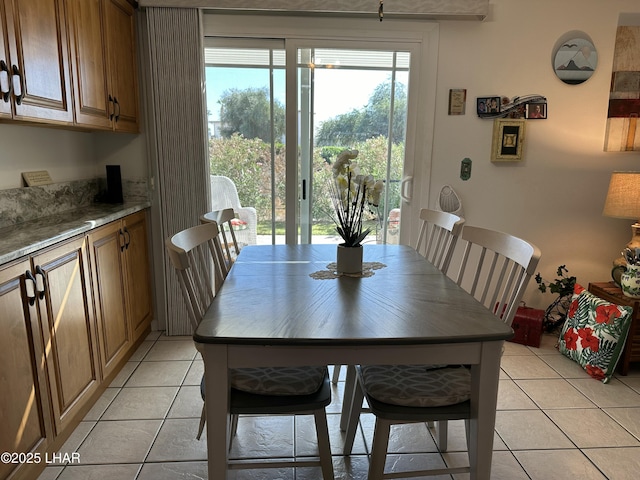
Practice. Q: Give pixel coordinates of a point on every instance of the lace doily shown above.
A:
(331, 271)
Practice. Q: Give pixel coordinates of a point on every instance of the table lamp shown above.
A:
(623, 201)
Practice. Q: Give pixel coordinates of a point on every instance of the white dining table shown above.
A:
(281, 306)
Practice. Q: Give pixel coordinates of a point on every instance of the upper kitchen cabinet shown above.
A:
(5, 75)
(102, 39)
(34, 70)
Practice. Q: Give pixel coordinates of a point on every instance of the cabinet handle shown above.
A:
(17, 85)
(41, 282)
(123, 243)
(113, 107)
(6, 75)
(127, 238)
(116, 104)
(30, 285)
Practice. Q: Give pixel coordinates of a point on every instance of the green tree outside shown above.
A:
(244, 154)
(247, 112)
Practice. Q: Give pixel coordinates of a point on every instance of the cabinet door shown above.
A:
(107, 263)
(67, 323)
(5, 77)
(139, 296)
(121, 41)
(24, 405)
(89, 62)
(37, 38)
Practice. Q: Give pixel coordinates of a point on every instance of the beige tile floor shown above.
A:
(553, 422)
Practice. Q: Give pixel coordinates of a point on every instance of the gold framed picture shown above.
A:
(508, 140)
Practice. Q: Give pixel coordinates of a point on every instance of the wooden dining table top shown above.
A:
(271, 298)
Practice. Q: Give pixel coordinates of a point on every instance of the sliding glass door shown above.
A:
(350, 99)
(279, 112)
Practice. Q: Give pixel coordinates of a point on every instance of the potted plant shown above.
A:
(556, 313)
(353, 196)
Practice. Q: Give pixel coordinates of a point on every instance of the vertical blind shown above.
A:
(173, 77)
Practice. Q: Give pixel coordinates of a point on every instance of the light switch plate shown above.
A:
(465, 169)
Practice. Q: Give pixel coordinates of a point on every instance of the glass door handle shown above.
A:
(406, 186)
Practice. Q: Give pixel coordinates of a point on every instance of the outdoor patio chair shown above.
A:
(224, 194)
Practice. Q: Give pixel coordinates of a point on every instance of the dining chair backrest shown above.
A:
(197, 257)
(496, 268)
(439, 232)
(224, 220)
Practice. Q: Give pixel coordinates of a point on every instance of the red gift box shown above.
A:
(528, 325)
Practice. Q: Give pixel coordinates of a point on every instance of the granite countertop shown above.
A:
(25, 238)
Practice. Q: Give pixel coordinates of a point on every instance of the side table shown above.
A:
(610, 292)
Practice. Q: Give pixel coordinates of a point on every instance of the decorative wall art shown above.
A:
(536, 110)
(457, 101)
(488, 106)
(623, 129)
(575, 59)
(508, 140)
(503, 107)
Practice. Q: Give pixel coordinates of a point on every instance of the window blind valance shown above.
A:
(414, 9)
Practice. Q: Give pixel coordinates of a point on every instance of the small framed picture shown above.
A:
(457, 101)
(536, 110)
(508, 140)
(486, 106)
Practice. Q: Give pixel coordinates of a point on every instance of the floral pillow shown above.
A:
(594, 333)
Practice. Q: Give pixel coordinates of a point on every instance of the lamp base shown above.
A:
(620, 263)
(633, 244)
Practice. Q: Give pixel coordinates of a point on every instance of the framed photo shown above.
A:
(486, 106)
(457, 101)
(536, 110)
(508, 140)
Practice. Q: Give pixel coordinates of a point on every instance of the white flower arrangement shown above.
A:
(353, 196)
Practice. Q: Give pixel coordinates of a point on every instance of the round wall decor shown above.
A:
(575, 59)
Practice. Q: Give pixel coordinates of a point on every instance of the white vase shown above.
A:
(630, 281)
(349, 259)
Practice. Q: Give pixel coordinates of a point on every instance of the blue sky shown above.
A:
(337, 91)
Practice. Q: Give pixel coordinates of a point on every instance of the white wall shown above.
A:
(66, 154)
(553, 198)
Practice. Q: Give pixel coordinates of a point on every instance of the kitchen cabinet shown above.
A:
(138, 279)
(102, 39)
(122, 290)
(24, 404)
(57, 327)
(67, 322)
(48, 350)
(34, 62)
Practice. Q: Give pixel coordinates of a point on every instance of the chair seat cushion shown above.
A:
(278, 380)
(417, 385)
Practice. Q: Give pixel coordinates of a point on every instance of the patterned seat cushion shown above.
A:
(278, 381)
(417, 385)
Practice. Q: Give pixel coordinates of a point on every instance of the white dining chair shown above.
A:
(439, 232)
(495, 268)
(224, 218)
(198, 258)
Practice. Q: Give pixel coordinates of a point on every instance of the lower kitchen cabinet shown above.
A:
(66, 316)
(70, 316)
(122, 291)
(138, 274)
(25, 415)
